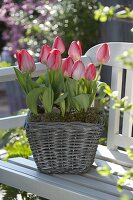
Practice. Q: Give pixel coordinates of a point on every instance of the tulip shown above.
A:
(59, 44)
(103, 54)
(54, 59)
(78, 70)
(67, 66)
(25, 61)
(90, 72)
(75, 50)
(45, 50)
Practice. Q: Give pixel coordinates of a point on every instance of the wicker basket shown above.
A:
(63, 147)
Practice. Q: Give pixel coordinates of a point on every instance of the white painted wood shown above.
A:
(114, 114)
(116, 49)
(8, 74)
(123, 141)
(118, 157)
(47, 186)
(128, 115)
(116, 169)
(101, 184)
(12, 122)
(88, 181)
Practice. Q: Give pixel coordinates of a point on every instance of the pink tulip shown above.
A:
(67, 66)
(59, 44)
(75, 50)
(25, 61)
(78, 70)
(44, 53)
(90, 72)
(54, 59)
(103, 53)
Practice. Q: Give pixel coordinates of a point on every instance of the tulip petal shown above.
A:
(78, 70)
(54, 59)
(18, 56)
(90, 72)
(25, 61)
(103, 53)
(44, 53)
(59, 44)
(75, 51)
(79, 44)
(67, 66)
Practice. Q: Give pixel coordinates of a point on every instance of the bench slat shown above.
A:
(47, 186)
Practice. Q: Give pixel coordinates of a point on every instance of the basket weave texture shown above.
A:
(63, 147)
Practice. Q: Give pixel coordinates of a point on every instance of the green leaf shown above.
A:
(56, 80)
(62, 106)
(30, 83)
(81, 100)
(48, 99)
(21, 79)
(125, 197)
(32, 98)
(61, 98)
(104, 170)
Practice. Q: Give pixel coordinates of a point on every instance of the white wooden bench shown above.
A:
(23, 174)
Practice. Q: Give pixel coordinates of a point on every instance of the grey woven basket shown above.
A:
(63, 147)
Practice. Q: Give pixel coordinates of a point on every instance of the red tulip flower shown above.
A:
(103, 54)
(45, 50)
(25, 61)
(75, 50)
(54, 59)
(59, 44)
(78, 70)
(67, 66)
(90, 72)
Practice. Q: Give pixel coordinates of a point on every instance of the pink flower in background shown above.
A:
(45, 50)
(103, 54)
(78, 70)
(59, 44)
(90, 72)
(54, 59)
(67, 66)
(25, 61)
(75, 51)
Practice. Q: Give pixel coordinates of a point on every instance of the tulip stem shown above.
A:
(99, 72)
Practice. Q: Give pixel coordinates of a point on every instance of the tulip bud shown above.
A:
(44, 53)
(78, 70)
(25, 61)
(67, 66)
(59, 44)
(103, 54)
(75, 50)
(54, 59)
(90, 72)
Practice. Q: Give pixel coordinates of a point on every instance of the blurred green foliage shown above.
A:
(74, 20)
(4, 64)
(117, 12)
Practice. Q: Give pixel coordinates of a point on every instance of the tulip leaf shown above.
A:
(82, 100)
(32, 98)
(56, 80)
(48, 99)
(21, 79)
(30, 84)
(61, 98)
(62, 106)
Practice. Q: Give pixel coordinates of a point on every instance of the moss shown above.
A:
(91, 116)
